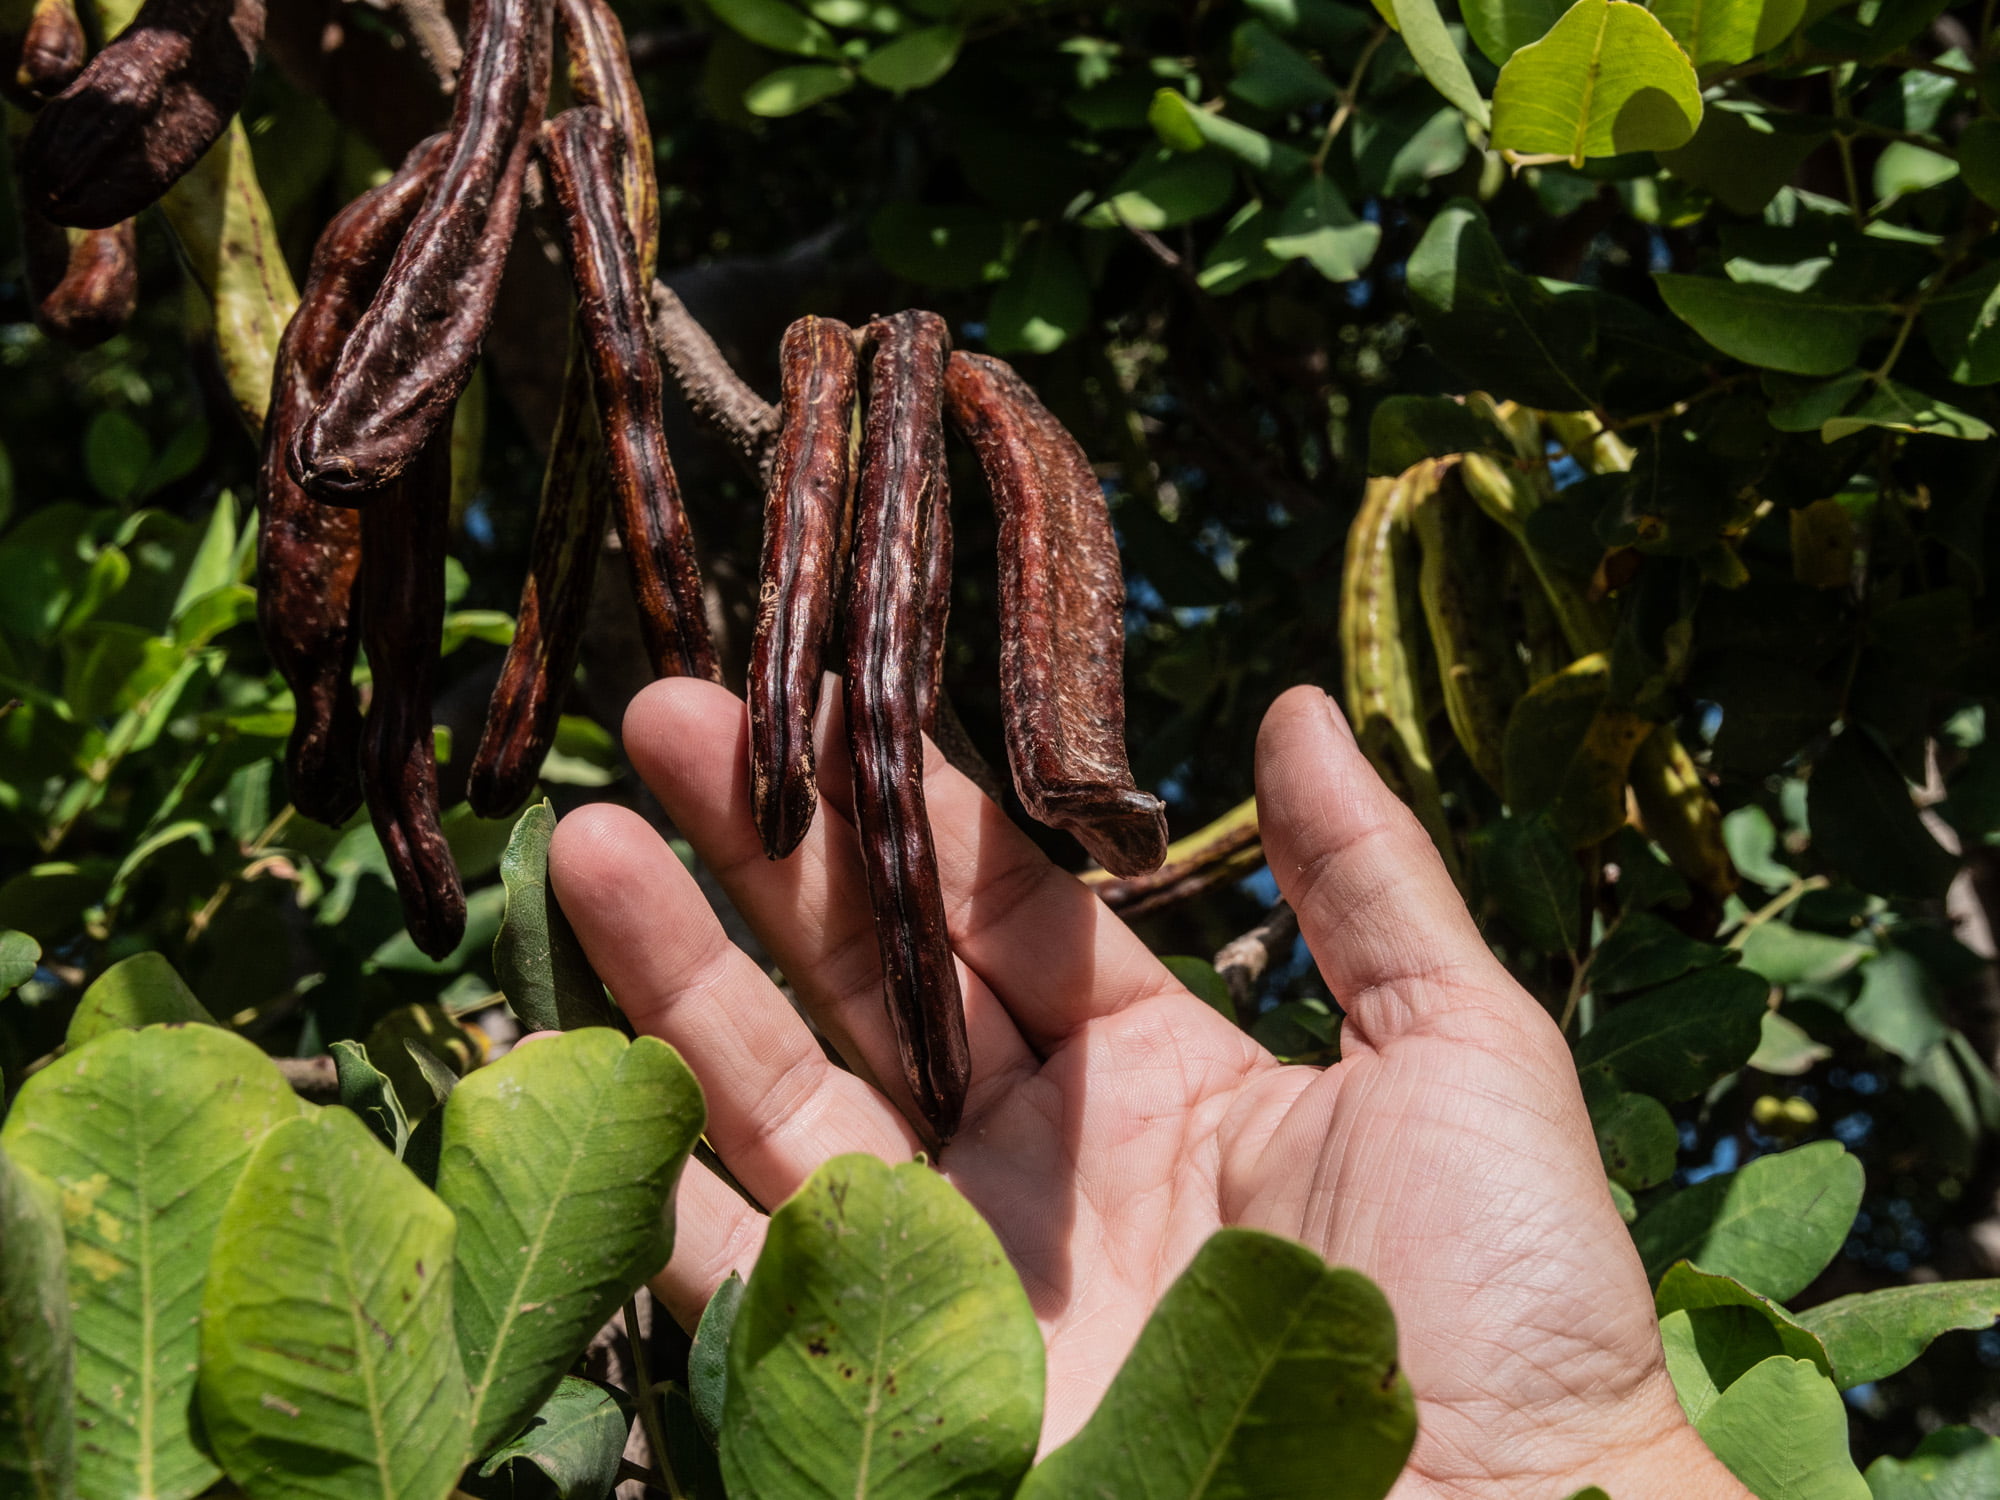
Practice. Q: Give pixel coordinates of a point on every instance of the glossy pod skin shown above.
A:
(308, 554)
(1062, 621)
(84, 283)
(808, 521)
(600, 76)
(42, 49)
(579, 149)
(403, 537)
(143, 112)
(410, 357)
(899, 501)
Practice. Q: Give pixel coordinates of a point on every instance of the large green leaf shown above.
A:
(1043, 304)
(1606, 80)
(1179, 123)
(1164, 188)
(142, 990)
(915, 60)
(560, 1162)
(1674, 1041)
(1773, 1226)
(775, 24)
(1644, 950)
(1782, 1430)
(1962, 322)
(1259, 1364)
(884, 1348)
(575, 1440)
(708, 1358)
(1802, 333)
(37, 1405)
(1319, 228)
(20, 956)
(1872, 1335)
(537, 960)
(328, 1367)
(1866, 826)
(1424, 33)
(1953, 1463)
(1716, 33)
(1568, 752)
(143, 1133)
(1532, 877)
(1722, 1308)
(1500, 28)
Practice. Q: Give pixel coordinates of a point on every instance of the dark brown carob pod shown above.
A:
(42, 49)
(308, 553)
(1062, 620)
(403, 537)
(899, 497)
(808, 519)
(83, 283)
(527, 702)
(408, 361)
(580, 152)
(144, 111)
(600, 75)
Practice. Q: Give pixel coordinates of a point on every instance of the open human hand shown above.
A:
(1114, 1121)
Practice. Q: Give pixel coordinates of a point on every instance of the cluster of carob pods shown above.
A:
(356, 474)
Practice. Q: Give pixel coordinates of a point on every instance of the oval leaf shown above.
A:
(1782, 1430)
(143, 1134)
(1872, 1335)
(1040, 306)
(786, 91)
(1259, 1362)
(1674, 1041)
(142, 990)
(560, 1162)
(37, 1409)
(1773, 1226)
(537, 961)
(1607, 79)
(1424, 33)
(1716, 33)
(328, 1368)
(774, 24)
(883, 1319)
(915, 61)
(1801, 333)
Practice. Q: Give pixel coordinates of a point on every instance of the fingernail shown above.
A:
(1339, 720)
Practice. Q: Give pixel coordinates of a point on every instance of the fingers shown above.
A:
(1034, 935)
(1377, 908)
(777, 1107)
(715, 1233)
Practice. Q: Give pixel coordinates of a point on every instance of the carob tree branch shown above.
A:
(714, 391)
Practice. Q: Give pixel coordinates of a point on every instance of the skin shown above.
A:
(1114, 1121)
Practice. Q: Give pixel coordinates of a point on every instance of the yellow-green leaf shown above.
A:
(1607, 79)
(1716, 33)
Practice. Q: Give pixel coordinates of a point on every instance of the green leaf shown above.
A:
(1752, 842)
(1979, 160)
(1043, 304)
(328, 1369)
(1184, 127)
(1238, 256)
(1568, 752)
(952, 245)
(1606, 80)
(914, 61)
(1788, 955)
(1527, 869)
(143, 1134)
(1400, 149)
(1258, 1363)
(1202, 981)
(1902, 408)
(1865, 825)
(1773, 1226)
(1962, 323)
(708, 1357)
(37, 1406)
(537, 961)
(213, 565)
(1743, 153)
(1424, 33)
(1644, 950)
(1784, 1048)
(1899, 1008)
(884, 1319)
(370, 1093)
(560, 1162)
(1953, 1463)
(1319, 228)
(1272, 74)
(1637, 1139)
(1163, 189)
(1782, 1430)
(774, 24)
(142, 990)
(116, 455)
(1500, 28)
(1802, 333)
(1674, 1041)
(1689, 1289)
(1872, 1335)
(576, 1440)
(1904, 167)
(1717, 33)
(1405, 430)
(20, 956)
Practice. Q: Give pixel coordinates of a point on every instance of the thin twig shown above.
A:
(718, 396)
(1775, 908)
(1349, 96)
(1243, 961)
(649, 1403)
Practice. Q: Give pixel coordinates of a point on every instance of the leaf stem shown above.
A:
(649, 1402)
(1349, 97)
(1775, 908)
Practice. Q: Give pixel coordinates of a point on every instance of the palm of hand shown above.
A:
(1115, 1122)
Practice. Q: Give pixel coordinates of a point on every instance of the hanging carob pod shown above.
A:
(308, 553)
(42, 49)
(83, 284)
(901, 496)
(526, 707)
(142, 112)
(579, 150)
(411, 355)
(404, 532)
(808, 524)
(1062, 621)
